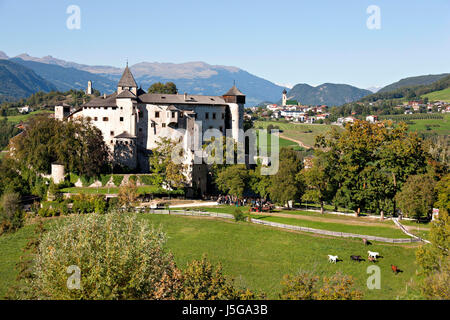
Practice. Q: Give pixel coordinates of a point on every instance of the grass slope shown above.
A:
(256, 256)
(305, 133)
(24, 117)
(441, 95)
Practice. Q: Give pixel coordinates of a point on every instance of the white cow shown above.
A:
(332, 258)
(373, 254)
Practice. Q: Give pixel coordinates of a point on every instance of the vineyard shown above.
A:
(415, 116)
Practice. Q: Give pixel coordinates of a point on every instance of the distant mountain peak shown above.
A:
(3, 56)
(331, 94)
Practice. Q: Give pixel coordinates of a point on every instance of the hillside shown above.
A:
(330, 94)
(441, 95)
(414, 81)
(190, 77)
(68, 78)
(18, 81)
(413, 92)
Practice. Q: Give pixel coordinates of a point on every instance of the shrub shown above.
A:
(73, 178)
(11, 214)
(299, 287)
(105, 179)
(117, 179)
(147, 180)
(118, 255)
(87, 181)
(307, 287)
(100, 204)
(202, 281)
(238, 215)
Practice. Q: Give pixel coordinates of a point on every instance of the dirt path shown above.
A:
(300, 143)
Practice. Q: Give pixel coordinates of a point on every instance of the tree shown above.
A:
(167, 88)
(233, 180)
(287, 184)
(77, 144)
(167, 170)
(128, 195)
(417, 196)
(11, 215)
(434, 258)
(319, 182)
(371, 161)
(118, 257)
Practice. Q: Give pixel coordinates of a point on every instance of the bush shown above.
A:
(118, 255)
(105, 179)
(147, 180)
(11, 213)
(202, 281)
(307, 287)
(117, 179)
(238, 215)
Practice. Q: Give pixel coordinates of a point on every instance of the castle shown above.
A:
(132, 122)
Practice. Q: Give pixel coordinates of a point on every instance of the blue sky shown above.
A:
(287, 42)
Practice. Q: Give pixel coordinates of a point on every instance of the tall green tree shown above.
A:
(233, 180)
(417, 196)
(319, 182)
(287, 184)
(167, 88)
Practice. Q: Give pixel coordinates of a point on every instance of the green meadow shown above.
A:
(256, 256)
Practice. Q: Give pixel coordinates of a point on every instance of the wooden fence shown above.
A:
(285, 226)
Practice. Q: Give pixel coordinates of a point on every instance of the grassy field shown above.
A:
(306, 133)
(438, 126)
(24, 117)
(256, 256)
(442, 95)
(380, 231)
(331, 222)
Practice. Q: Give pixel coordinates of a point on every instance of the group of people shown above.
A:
(256, 204)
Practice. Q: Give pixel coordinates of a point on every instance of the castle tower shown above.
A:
(284, 98)
(236, 102)
(89, 87)
(127, 82)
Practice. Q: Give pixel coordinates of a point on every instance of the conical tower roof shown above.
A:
(127, 79)
(234, 91)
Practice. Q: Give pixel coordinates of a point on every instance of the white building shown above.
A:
(133, 121)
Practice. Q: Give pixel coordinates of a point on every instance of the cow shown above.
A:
(373, 254)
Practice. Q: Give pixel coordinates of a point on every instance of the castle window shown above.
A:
(214, 115)
(221, 129)
(206, 115)
(181, 115)
(163, 125)
(95, 118)
(140, 129)
(223, 115)
(153, 125)
(106, 108)
(173, 114)
(121, 118)
(105, 119)
(112, 133)
(156, 114)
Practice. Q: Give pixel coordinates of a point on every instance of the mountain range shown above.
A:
(330, 94)
(19, 82)
(49, 73)
(414, 81)
(190, 77)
